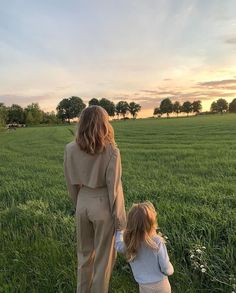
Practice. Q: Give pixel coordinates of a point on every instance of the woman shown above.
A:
(92, 168)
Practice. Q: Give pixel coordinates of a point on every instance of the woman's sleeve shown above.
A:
(115, 190)
(164, 261)
(72, 189)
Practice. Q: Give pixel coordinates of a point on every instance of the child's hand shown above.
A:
(119, 242)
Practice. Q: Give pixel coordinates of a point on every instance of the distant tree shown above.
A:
(108, 106)
(50, 118)
(220, 106)
(214, 107)
(157, 111)
(29, 118)
(197, 106)
(70, 108)
(15, 114)
(64, 110)
(94, 102)
(187, 107)
(134, 109)
(166, 106)
(232, 106)
(3, 114)
(177, 108)
(33, 114)
(122, 108)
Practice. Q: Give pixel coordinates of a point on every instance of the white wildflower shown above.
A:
(192, 256)
(198, 250)
(203, 270)
(201, 266)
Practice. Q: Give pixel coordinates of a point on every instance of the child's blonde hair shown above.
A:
(141, 225)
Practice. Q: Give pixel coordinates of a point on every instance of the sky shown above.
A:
(142, 51)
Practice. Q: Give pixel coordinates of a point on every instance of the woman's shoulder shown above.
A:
(113, 150)
(71, 146)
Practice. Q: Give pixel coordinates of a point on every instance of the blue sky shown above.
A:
(143, 50)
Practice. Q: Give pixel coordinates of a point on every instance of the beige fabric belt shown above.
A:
(93, 191)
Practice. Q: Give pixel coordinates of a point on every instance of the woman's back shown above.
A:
(86, 169)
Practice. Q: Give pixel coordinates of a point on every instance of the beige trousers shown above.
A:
(158, 287)
(95, 240)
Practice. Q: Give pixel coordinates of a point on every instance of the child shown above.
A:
(145, 250)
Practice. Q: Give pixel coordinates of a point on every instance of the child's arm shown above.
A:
(164, 261)
(119, 243)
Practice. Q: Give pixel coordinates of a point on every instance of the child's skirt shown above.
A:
(159, 287)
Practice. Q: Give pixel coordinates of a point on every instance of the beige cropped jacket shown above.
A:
(94, 171)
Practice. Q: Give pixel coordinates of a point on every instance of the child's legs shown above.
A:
(159, 287)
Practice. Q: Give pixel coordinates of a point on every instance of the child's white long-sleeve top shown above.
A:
(149, 265)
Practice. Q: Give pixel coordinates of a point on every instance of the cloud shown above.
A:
(157, 92)
(143, 98)
(46, 101)
(231, 41)
(203, 91)
(218, 83)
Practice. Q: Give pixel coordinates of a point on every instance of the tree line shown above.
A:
(32, 114)
(67, 109)
(167, 107)
(70, 108)
(219, 106)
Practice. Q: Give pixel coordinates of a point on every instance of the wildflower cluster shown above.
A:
(198, 258)
(232, 281)
(165, 237)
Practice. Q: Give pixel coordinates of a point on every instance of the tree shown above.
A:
(157, 111)
(15, 114)
(222, 105)
(33, 114)
(197, 106)
(166, 106)
(29, 119)
(122, 108)
(49, 118)
(214, 107)
(219, 106)
(3, 114)
(187, 107)
(177, 108)
(134, 109)
(232, 106)
(94, 102)
(108, 106)
(70, 108)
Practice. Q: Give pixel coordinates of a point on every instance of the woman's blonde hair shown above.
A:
(141, 225)
(94, 130)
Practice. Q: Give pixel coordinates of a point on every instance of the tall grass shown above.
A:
(186, 167)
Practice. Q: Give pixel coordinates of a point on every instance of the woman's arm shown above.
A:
(72, 189)
(163, 260)
(115, 190)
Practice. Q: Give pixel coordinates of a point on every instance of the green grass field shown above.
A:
(185, 166)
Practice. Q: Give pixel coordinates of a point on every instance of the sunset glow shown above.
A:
(140, 51)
